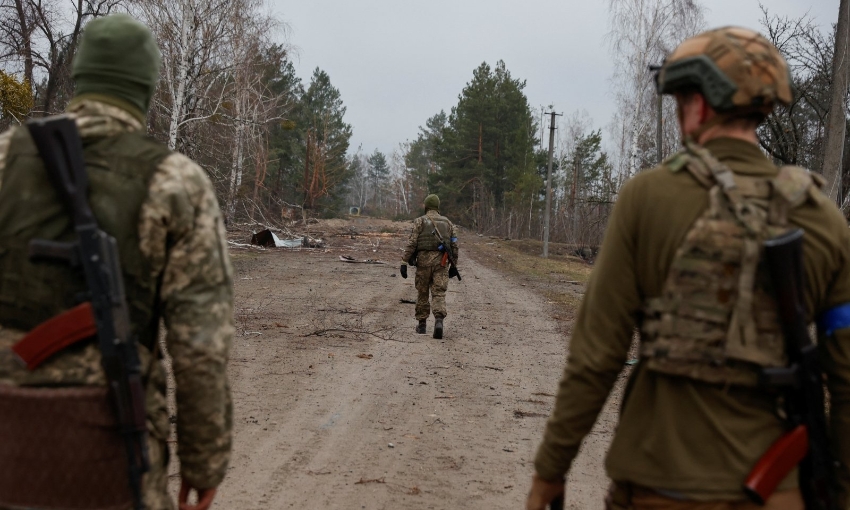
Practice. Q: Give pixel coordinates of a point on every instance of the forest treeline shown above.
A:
(278, 146)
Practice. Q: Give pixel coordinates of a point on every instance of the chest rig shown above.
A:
(716, 319)
(119, 169)
(427, 241)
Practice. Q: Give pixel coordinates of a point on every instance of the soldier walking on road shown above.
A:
(682, 260)
(59, 440)
(433, 270)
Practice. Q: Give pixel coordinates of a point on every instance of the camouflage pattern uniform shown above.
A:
(431, 276)
(182, 235)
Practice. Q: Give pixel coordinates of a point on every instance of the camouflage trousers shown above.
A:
(433, 279)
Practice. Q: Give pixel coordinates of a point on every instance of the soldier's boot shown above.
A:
(438, 328)
(421, 327)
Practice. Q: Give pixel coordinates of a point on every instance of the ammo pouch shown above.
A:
(59, 449)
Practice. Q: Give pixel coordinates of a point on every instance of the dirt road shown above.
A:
(340, 404)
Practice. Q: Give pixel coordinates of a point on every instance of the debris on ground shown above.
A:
(527, 414)
(407, 301)
(268, 239)
(414, 491)
(365, 356)
(370, 480)
(352, 260)
(234, 244)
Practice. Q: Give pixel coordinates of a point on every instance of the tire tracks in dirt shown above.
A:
(311, 419)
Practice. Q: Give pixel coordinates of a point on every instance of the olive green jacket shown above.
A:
(678, 435)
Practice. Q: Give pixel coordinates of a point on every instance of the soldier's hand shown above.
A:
(205, 497)
(403, 270)
(542, 493)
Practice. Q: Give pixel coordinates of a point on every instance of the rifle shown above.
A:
(61, 149)
(807, 442)
(447, 252)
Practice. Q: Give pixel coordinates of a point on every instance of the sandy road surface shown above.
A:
(314, 422)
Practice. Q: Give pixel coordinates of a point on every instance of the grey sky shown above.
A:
(398, 62)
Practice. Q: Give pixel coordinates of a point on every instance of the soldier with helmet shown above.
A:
(60, 445)
(681, 261)
(433, 270)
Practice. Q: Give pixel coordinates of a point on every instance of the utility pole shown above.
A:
(549, 186)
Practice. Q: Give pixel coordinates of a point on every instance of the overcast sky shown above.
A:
(398, 62)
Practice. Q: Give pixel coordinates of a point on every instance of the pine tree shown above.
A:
(486, 160)
(325, 145)
(379, 172)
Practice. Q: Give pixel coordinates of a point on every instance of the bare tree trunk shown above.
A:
(182, 76)
(837, 120)
(26, 34)
(235, 173)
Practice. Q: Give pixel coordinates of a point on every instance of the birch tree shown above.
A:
(194, 37)
(642, 33)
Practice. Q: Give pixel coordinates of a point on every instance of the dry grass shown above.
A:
(560, 278)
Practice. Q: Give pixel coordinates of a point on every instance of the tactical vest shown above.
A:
(427, 241)
(716, 319)
(119, 170)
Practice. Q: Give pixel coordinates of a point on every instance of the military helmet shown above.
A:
(733, 68)
(432, 202)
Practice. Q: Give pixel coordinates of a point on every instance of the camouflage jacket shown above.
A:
(413, 239)
(182, 234)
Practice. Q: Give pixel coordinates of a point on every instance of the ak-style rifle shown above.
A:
(61, 150)
(806, 445)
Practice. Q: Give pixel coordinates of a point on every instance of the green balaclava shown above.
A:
(432, 202)
(117, 62)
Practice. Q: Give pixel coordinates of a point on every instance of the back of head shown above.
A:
(737, 71)
(118, 58)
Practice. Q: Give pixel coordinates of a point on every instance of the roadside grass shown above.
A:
(523, 257)
(560, 278)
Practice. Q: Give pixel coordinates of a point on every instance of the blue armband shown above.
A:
(454, 239)
(834, 319)
(441, 248)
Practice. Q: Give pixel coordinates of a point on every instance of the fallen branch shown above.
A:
(370, 480)
(352, 260)
(526, 414)
(376, 333)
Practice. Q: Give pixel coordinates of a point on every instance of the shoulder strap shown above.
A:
(791, 188)
(723, 177)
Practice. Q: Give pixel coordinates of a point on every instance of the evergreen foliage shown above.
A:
(484, 158)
